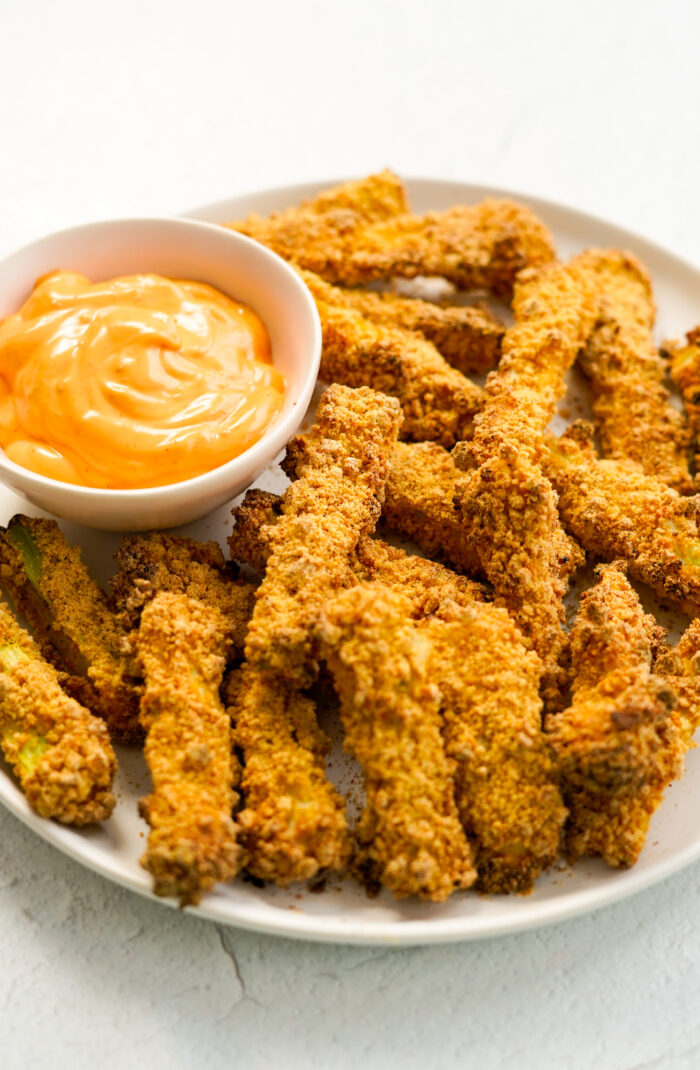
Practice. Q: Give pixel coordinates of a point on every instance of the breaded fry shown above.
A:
(504, 777)
(294, 823)
(336, 499)
(685, 372)
(509, 510)
(633, 415)
(437, 401)
(681, 667)
(192, 843)
(76, 631)
(618, 745)
(430, 587)
(618, 512)
(319, 234)
(479, 246)
(468, 337)
(513, 515)
(410, 837)
(60, 754)
(162, 562)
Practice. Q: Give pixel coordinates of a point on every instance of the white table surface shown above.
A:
(110, 109)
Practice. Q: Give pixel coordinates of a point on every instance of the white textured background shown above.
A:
(115, 108)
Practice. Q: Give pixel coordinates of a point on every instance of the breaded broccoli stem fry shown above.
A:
(437, 401)
(468, 336)
(60, 754)
(161, 562)
(618, 512)
(51, 586)
(479, 246)
(681, 667)
(505, 787)
(294, 823)
(428, 585)
(633, 414)
(410, 837)
(319, 234)
(685, 372)
(336, 499)
(192, 843)
(618, 745)
(509, 510)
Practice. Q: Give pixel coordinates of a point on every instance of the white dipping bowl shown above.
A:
(178, 249)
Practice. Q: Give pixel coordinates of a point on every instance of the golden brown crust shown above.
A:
(318, 234)
(681, 667)
(60, 754)
(51, 586)
(633, 414)
(409, 834)
(505, 786)
(685, 372)
(162, 562)
(429, 586)
(468, 336)
(437, 401)
(192, 843)
(618, 745)
(480, 246)
(615, 510)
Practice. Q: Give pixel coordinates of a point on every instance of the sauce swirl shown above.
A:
(136, 382)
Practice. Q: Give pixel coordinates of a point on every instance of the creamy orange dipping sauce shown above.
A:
(136, 382)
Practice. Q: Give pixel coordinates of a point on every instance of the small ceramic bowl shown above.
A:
(180, 249)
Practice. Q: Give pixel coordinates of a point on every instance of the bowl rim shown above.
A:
(215, 479)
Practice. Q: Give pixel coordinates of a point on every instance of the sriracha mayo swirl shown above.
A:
(136, 382)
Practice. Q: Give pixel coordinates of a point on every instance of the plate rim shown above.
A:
(331, 928)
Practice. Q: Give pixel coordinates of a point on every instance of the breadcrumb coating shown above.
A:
(685, 372)
(192, 844)
(61, 754)
(681, 667)
(468, 336)
(76, 630)
(505, 786)
(478, 246)
(410, 838)
(319, 234)
(437, 401)
(633, 415)
(428, 585)
(616, 511)
(162, 562)
(618, 745)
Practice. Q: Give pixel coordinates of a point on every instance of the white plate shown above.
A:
(343, 913)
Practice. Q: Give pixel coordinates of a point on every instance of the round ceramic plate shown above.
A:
(343, 912)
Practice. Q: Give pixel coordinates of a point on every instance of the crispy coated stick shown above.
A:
(505, 786)
(468, 336)
(336, 499)
(633, 415)
(319, 234)
(161, 562)
(294, 823)
(192, 843)
(438, 402)
(430, 587)
(685, 372)
(509, 510)
(50, 585)
(618, 745)
(410, 836)
(60, 754)
(480, 246)
(681, 667)
(617, 511)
